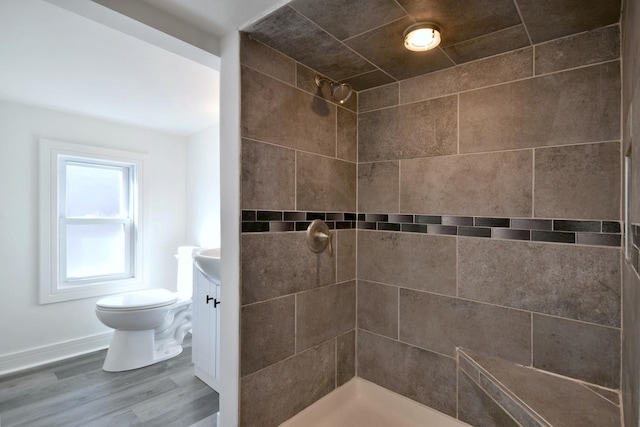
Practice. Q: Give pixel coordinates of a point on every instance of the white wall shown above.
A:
(230, 236)
(203, 188)
(25, 325)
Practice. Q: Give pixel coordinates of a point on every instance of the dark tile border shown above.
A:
(591, 232)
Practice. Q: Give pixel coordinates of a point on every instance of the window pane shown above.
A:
(95, 250)
(95, 191)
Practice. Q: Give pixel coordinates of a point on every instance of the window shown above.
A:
(91, 234)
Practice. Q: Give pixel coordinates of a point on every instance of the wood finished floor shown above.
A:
(76, 392)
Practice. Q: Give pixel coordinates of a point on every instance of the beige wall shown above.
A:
(631, 135)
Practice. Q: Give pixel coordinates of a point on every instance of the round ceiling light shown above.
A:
(422, 36)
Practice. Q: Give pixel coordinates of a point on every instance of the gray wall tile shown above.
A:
(278, 392)
(276, 264)
(602, 44)
(291, 33)
(324, 184)
(441, 324)
(379, 97)
(578, 181)
(427, 128)
(378, 187)
(577, 282)
(476, 408)
(268, 176)
(268, 333)
(370, 13)
(547, 110)
(414, 261)
(261, 58)
(378, 308)
(345, 241)
(346, 357)
(490, 44)
(552, 19)
(423, 376)
(324, 313)
(347, 135)
(577, 350)
(498, 69)
(278, 113)
(630, 345)
(491, 184)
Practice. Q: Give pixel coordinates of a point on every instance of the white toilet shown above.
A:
(150, 325)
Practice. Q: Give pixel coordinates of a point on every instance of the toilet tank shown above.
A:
(185, 271)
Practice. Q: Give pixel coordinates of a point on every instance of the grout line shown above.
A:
(526, 30)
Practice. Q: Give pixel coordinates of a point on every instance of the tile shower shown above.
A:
(484, 203)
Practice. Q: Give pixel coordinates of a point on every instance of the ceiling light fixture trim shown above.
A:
(422, 36)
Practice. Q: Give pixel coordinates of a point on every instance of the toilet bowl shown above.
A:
(150, 325)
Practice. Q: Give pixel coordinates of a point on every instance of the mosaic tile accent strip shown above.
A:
(596, 233)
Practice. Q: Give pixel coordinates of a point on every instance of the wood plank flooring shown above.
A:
(76, 392)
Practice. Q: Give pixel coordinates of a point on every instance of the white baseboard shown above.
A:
(42, 355)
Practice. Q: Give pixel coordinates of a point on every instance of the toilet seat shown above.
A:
(138, 300)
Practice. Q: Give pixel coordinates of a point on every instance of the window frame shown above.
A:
(52, 287)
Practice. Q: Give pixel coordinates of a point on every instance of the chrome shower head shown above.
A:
(341, 92)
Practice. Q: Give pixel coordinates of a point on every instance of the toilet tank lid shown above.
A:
(147, 298)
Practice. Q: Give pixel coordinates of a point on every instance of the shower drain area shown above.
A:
(493, 391)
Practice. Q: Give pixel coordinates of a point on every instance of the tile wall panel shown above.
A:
(494, 184)
(578, 181)
(272, 111)
(486, 72)
(345, 241)
(542, 111)
(423, 376)
(278, 392)
(268, 333)
(427, 128)
(268, 176)
(599, 45)
(378, 186)
(378, 308)
(408, 260)
(441, 324)
(346, 357)
(575, 282)
(277, 264)
(325, 184)
(262, 58)
(577, 350)
(324, 313)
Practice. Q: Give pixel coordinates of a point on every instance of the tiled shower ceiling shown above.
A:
(360, 41)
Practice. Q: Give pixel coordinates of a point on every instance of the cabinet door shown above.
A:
(206, 315)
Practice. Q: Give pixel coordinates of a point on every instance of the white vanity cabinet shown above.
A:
(206, 330)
